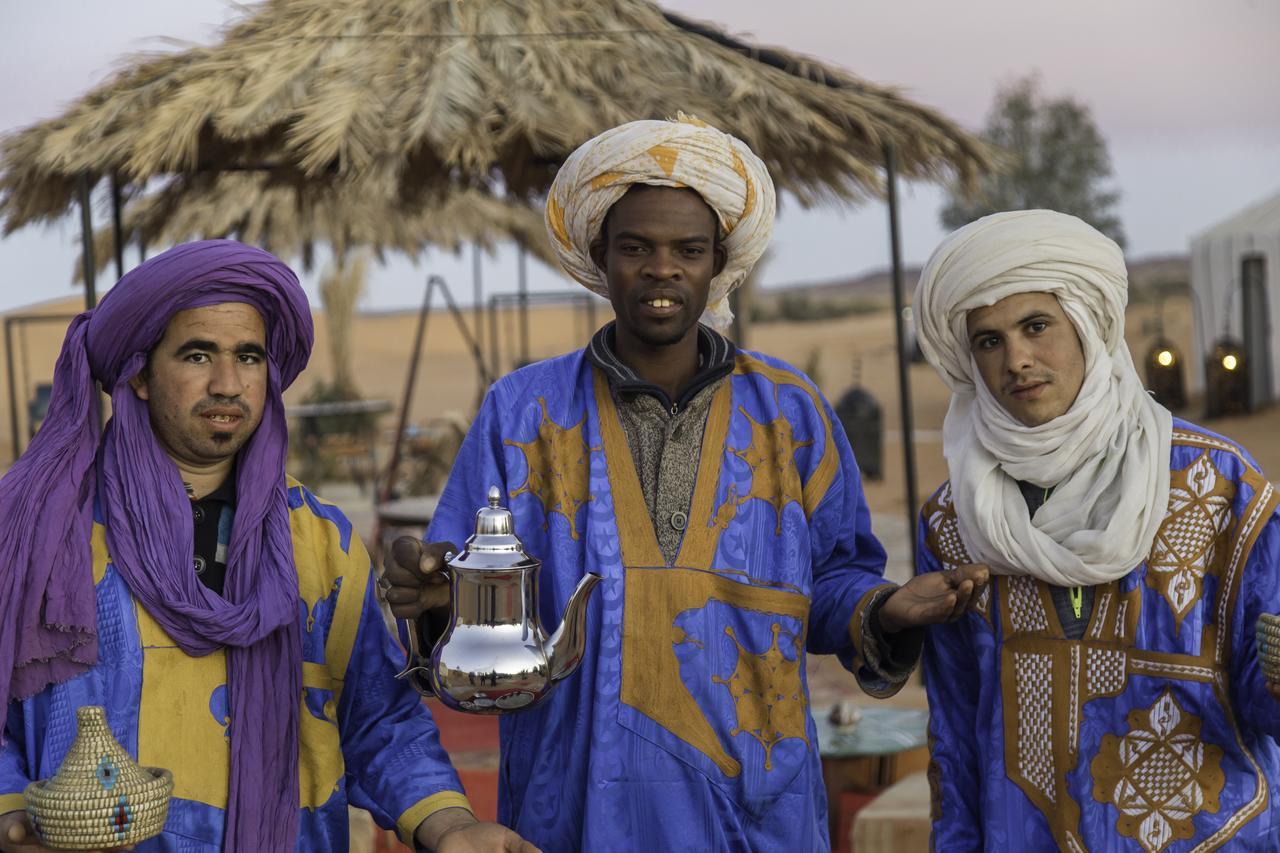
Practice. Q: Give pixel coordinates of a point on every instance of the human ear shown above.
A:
(599, 252)
(139, 385)
(721, 258)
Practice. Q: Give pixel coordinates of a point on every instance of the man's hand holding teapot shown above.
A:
(412, 579)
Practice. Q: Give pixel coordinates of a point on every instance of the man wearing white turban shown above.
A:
(1105, 694)
(713, 490)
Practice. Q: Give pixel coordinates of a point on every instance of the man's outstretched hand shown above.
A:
(933, 597)
(412, 582)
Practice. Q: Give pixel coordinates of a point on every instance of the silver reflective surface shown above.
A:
(494, 656)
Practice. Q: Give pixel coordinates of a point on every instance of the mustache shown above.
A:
(221, 403)
(1023, 381)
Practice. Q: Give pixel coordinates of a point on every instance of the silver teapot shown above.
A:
(494, 656)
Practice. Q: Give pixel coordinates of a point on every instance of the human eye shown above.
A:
(197, 358)
(250, 358)
(1035, 327)
(987, 342)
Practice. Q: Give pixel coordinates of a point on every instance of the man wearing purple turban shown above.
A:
(169, 571)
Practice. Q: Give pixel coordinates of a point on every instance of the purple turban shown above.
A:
(49, 635)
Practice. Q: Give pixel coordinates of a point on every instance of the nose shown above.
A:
(224, 381)
(661, 266)
(1018, 355)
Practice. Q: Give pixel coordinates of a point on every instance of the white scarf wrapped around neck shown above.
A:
(1106, 458)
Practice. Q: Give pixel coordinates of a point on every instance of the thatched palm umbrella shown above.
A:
(405, 96)
(293, 219)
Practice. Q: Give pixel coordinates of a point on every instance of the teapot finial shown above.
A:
(495, 496)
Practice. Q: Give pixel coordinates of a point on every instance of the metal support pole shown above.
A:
(117, 226)
(495, 349)
(522, 284)
(13, 392)
(393, 465)
(433, 282)
(904, 386)
(477, 286)
(90, 265)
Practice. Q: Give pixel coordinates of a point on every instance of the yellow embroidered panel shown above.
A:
(702, 535)
(557, 459)
(771, 456)
(184, 711)
(766, 688)
(631, 513)
(183, 716)
(1159, 775)
(824, 473)
(1190, 541)
(767, 694)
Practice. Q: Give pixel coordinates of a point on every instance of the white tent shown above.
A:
(1235, 278)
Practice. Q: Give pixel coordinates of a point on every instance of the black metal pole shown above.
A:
(477, 285)
(13, 392)
(522, 284)
(117, 226)
(495, 351)
(904, 386)
(393, 465)
(86, 236)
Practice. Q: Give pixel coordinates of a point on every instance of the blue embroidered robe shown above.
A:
(687, 725)
(1152, 732)
(365, 738)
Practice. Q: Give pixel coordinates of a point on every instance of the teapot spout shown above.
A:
(567, 645)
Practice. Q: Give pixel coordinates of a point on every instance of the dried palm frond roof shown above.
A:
(488, 93)
(291, 218)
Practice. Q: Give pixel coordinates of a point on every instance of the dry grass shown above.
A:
(292, 219)
(411, 99)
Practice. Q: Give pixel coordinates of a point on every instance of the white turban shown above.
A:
(1107, 457)
(682, 153)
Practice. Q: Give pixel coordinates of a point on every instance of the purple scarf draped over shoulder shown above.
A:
(48, 631)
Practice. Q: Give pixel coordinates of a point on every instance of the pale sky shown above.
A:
(1186, 92)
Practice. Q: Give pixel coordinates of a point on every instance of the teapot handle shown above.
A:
(414, 669)
(414, 662)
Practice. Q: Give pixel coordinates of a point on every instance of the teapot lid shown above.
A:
(495, 537)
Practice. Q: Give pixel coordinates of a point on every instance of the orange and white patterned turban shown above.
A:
(684, 153)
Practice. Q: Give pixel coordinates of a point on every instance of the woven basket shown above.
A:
(100, 797)
(1268, 637)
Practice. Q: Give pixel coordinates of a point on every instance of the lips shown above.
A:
(224, 417)
(1029, 391)
(661, 303)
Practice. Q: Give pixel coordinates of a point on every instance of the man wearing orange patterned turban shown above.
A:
(686, 153)
(716, 494)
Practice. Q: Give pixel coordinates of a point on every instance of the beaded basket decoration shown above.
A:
(100, 797)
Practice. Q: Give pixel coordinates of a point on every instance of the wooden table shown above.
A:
(864, 757)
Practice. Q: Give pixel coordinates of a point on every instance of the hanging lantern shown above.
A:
(1227, 380)
(1164, 375)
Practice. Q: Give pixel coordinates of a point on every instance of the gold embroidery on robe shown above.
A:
(557, 460)
(1159, 775)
